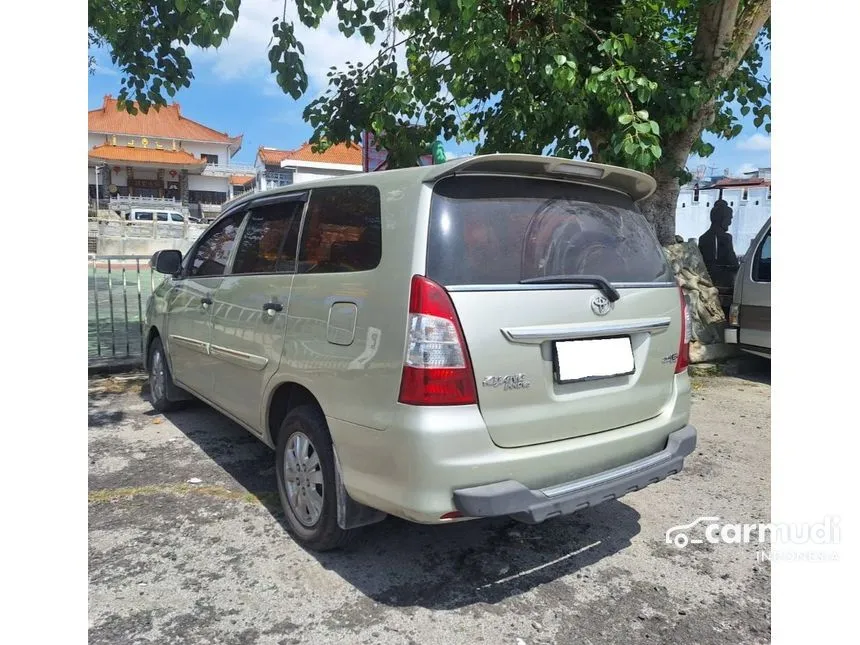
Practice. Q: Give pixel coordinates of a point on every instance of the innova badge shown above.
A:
(601, 305)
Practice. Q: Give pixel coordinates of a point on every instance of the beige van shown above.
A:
(749, 316)
(494, 336)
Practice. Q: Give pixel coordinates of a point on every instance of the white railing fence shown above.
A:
(120, 228)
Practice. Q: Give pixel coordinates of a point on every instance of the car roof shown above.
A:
(636, 184)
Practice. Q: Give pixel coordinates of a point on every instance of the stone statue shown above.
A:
(717, 248)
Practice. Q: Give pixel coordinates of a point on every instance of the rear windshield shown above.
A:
(501, 230)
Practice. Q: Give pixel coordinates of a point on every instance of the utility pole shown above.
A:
(97, 169)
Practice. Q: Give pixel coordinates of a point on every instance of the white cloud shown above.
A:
(104, 71)
(245, 53)
(757, 142)
(102, 64)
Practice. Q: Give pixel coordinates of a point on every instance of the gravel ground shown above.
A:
(210, 562)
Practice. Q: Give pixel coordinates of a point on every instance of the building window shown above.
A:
(206, 197)
(696, 194)
(768, 192)
(209, 158)
(279, 178)
(745, 195)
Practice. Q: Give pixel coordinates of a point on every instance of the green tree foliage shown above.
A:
(629, 82)
(147, 40)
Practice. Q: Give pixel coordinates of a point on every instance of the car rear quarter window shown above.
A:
(342, 230)
(269, 242)
(501, 230)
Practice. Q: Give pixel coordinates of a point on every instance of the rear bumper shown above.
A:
(413, 468)
(730, 335)
(512, 498)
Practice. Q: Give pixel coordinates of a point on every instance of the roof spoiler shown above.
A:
(631, 182)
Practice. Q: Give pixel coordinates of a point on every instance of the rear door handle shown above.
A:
(273, 306)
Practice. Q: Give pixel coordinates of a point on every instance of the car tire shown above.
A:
(160, 379)
(305, 467)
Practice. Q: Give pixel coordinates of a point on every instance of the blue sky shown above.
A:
(233, 90)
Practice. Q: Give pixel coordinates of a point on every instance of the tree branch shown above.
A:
(714, 31)
(747, 28)
(720, 46)
(618, 81)
(391, 49)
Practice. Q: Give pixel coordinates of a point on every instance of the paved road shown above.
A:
(172, 562)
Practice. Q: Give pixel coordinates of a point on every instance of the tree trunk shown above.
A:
(723, 37)
(659, 209)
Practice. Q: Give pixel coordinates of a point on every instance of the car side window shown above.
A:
(213, 251)
(176, 217)
(269, 242)
(162, 217)
(342, 231)
(761, 264)
(144, 216)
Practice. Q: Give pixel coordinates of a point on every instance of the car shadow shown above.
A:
(752, 368)
(399, 563)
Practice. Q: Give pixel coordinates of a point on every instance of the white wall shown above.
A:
(139, 246)
(94, 140)
(119, 178)
(199, 182)
(145, 173)
(194, 147)
(108, 176)
(692, 219)
(197, 149)
(309, 174)
(259, 184)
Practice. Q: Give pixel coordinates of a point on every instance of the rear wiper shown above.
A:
(598, 281)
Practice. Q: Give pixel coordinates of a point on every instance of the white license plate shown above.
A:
(578, 360)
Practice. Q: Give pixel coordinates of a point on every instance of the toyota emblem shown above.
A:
(600, 305)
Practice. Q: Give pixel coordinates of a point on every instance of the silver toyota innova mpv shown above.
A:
(494, 336)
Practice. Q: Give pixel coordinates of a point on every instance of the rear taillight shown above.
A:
(437, 369)
(686, 332)
(734, 318)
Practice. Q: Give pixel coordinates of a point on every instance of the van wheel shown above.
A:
(306, 480)
(160, 379)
